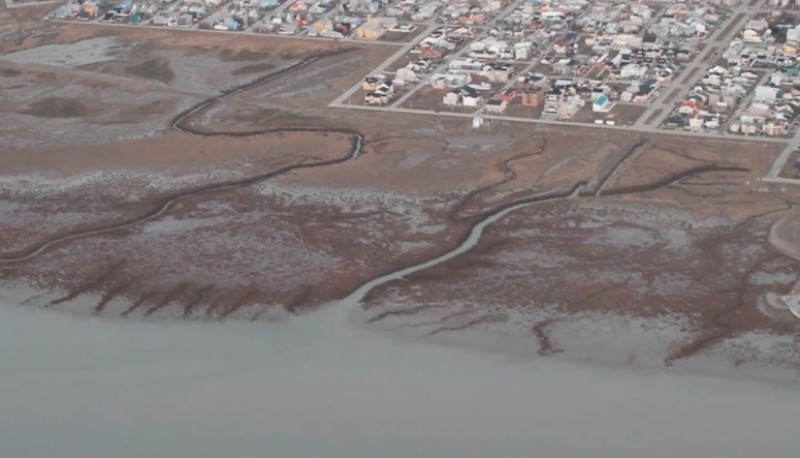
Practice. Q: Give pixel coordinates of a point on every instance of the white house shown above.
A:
(632, 71)
(522, 51)
(407, 74)
(471, 100)
(452, 98)
(602, 104)
(793, 34)
(450, 80)
(496, 106)
(767, 94)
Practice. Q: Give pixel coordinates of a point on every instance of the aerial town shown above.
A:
(399, 227)
(711, 67)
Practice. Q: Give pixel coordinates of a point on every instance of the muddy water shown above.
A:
(312, 387)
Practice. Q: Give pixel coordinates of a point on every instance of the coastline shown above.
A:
(310, 387)
(781, 243)
(607, 342)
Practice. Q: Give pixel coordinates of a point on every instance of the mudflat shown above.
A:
(170, 180)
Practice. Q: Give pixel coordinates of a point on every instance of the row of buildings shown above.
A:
(775, 104)
(628, 48)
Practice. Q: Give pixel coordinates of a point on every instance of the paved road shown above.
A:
(780, 162)
(647, 129)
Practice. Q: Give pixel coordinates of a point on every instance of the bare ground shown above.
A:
(671, 248)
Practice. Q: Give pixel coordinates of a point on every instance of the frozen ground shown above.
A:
(316, 387)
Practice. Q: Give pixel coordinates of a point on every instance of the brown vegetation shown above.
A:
(56, 107)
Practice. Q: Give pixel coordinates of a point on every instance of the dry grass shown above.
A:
(57, 107)
(154, 69)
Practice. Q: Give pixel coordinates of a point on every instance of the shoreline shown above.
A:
(714, 364)
(317, 387)
(791, 300)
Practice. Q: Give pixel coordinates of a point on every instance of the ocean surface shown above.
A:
(78, 387)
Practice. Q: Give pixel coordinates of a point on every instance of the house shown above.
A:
(323, 24)
(766, 94)
(602, 104)
(472, 18)
(696, 124)
(370, 83)
(786, 112)
(758, 109)
(632, 71)
(374, 27)
(450, 80)
(773, 129)
(711, 121)
(386, 87)
(432, 52)
(497, 73)
(420, 65)
(562, 46)
(699, 96)
(406, 74)
(522, 51)
(645, 92)
(369, 31)
(751, 36)
(452, 98)
(552, 101)
(376, 98)
(677, 121)
(468, 64)
(288, 29)
(687, 108)
(381, 95)
(793, 35)
(509, 95)
(533, 98)
(757, 25)
(462, 96)
(471, 99)
(650, 41)
(343, 28)
(569, 107)
(496, 106)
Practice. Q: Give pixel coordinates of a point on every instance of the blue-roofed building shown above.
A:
(602, 104)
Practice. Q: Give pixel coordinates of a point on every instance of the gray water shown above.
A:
(316, 387)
